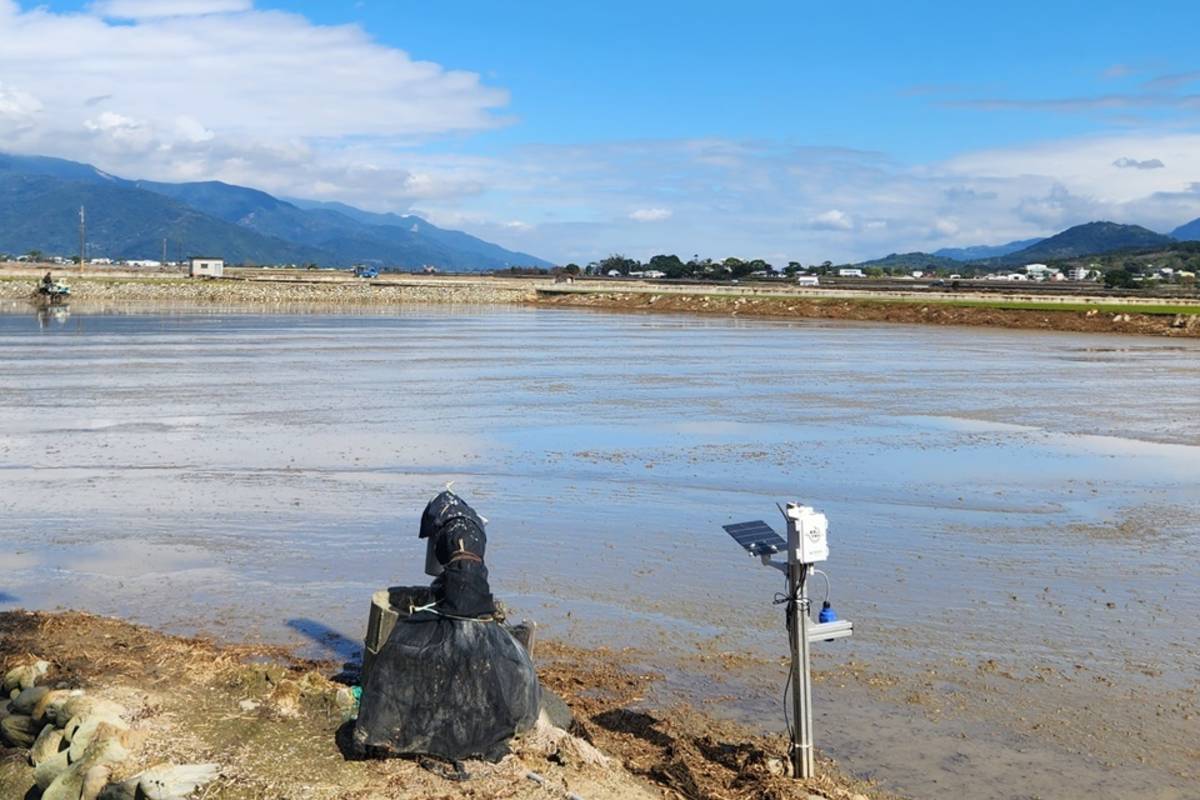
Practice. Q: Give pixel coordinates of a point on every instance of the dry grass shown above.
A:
(272, 722)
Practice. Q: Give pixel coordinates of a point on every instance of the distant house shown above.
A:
(654, 273)
(850, 273)
(141, 262)
(205, 267)
(1041, 272)
(808, 280)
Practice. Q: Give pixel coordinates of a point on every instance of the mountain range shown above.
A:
(1083, 240)
(1189, 232)
(1092, 238)
(126, 219)
(982, 251)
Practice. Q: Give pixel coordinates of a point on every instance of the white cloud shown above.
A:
(832, 220)
(748, 199)
(945, 227)
(1132, 163)
(153, 9)
(650, 214)
(217, 89)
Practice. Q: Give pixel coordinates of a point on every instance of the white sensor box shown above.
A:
(807, 529)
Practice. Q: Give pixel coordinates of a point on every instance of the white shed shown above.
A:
(202, 267)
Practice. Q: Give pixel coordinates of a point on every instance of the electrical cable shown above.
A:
(792, 608)
(828, 588)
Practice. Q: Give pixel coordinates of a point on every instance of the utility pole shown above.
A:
(82, 236)
(164, 261)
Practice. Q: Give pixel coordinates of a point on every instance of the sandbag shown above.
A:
(450, 688)
(450, 681)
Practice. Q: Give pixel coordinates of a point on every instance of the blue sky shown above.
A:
(782, 130)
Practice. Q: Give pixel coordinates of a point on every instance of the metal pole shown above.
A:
(804, 715)
(82, 237)
(802, 735)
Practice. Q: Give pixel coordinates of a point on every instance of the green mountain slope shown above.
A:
(272, 230)
(1091, 238)
(913, 261)
(39, 212)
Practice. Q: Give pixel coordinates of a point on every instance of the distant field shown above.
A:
(1110, 307)
(1116, 307)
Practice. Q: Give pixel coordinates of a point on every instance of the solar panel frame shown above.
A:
(757, 537)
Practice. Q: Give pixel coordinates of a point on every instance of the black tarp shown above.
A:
(449, 682)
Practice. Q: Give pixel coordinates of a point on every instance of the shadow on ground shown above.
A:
(334, 643)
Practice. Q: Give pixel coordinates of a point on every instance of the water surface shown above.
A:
(1013, 514)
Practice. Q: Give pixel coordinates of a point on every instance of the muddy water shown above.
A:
(1015, 517)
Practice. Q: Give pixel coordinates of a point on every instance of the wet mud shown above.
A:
(1013, 524)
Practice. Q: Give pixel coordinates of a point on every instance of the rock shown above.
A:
(128, 790)
(94, 781)
(28, 699)
(249, 705)
(171, 782)
(82, 735)
(25, 677)
(121, 791)
(556, 710)
(48, 708)
(555, 744)
(344, 698)
(82, 706)
(48, 770)
(19, 730)
(106, 748)
(46, 745)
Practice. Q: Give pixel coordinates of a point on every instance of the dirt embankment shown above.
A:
(334, 292)
(1094, 320)
(91, 291)
(268, 724)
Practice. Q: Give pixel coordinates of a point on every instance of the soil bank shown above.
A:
(938, 311)
(338, 290)
(271, 721)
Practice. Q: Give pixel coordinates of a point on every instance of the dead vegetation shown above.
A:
(271, 722)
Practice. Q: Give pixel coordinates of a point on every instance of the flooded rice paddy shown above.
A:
(1014, 516)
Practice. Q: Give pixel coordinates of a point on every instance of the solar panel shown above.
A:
(757, 537)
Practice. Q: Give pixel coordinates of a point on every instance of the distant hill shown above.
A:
(39, 212)
(407, 227)
(1089, 239)
(979, 252)
(913, 261)
(1189, 232)
(129, 219)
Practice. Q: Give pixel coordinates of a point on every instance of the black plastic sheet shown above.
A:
(450, 682)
